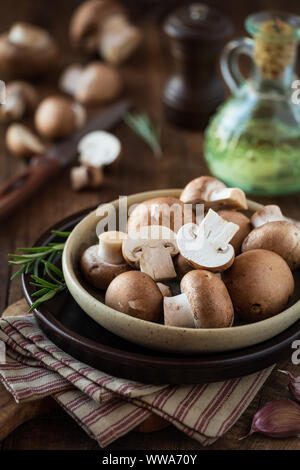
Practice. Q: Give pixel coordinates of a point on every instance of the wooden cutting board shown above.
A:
(12, 414)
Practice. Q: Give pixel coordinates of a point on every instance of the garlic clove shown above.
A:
(294, 384)
(277, 419)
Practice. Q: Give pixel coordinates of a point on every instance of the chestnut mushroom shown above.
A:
(102, 26)
(260, 284)
(166, 211)
(213, 194)
(86, 177)
(182, 266)
(27, 51)
(57, 117)
(151, 250)
(269, 213)
(20, 98)
(204, 303)
(100, 264)
(282, 237)
(165, 290)
(136, 294)
(21, 142)
(244, 227)
(206, 246)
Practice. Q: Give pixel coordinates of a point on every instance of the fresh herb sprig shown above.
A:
(146, 130)
(32, 260)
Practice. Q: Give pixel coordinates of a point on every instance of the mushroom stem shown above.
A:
(269, 213)
(178, 312)
(157, 262)
(234, 196)
(110, 247)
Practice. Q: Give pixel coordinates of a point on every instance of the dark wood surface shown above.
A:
(138, 171)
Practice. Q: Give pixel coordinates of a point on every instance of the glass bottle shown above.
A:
(253, 140)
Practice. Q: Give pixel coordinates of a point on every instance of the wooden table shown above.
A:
(138, 171)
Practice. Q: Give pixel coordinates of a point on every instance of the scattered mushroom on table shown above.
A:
(189, 273)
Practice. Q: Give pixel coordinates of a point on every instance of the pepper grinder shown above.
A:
(196, 34)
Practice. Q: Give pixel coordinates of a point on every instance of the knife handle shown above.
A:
(20, 188)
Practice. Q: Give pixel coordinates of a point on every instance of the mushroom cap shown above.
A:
(86, 22)
(208, 298)
(98, 273)
(56, 117)
(19, 60)
(98, 83)
(135, 294)
(20, 97)
(199, 189)
(260, 284)
(243, 222)
(166, 211)
(282, 237)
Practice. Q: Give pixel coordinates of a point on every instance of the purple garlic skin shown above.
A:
(280, 418)
(294, 384)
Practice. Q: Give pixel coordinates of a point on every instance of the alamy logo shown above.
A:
(296, 93)
(2, 353)
(296, 354)
(2, 92)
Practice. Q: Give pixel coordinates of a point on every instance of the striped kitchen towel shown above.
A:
(108, 407)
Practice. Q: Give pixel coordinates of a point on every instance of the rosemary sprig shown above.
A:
(32, 259)
(146, 130)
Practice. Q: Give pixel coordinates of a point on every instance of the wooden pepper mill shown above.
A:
(196, 35)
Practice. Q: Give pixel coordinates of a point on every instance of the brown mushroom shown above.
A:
(244, 227)
(27, 51)
(281, 237)
(21, 142)
(207, 246)
(204, 303)
(165, 290)
(151, 250)
(57, 117)
(270, 213)
(136, 294)
(182, 266)
(97, 83)
(166, 211)
(102, 26)
(213, 194)
(86, 177)
(20, 98)
(260, 284)
(100, 264)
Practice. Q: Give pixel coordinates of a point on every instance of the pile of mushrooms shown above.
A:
(173, 269)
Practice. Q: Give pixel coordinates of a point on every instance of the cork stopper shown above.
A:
(275, 47)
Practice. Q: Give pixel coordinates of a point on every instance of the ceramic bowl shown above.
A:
(153, 335)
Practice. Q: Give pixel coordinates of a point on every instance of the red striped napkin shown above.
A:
(108, 407)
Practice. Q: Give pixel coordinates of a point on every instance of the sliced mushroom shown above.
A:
(102, 26)
(270, 213)
(86, 177)
(57, 117)
(281, 237)
(213, 194)
(20, 97)
(260, 284)
(27, 51)
(244, 227)
(100, 264)
(151, 250)
(135, 294)
(99, 149)
(21, 142)
(166, 211)
(204, 303)
(206, 246)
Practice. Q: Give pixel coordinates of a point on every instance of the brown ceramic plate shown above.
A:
(72, 330)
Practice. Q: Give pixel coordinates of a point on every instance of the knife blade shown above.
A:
(19, 189)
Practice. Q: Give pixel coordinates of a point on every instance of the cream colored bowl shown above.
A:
(153, 335)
